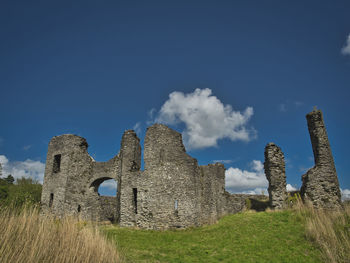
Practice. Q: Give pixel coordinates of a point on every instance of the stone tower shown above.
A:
(66, 156)
(275, 173)
(128, 190)
(320, 183)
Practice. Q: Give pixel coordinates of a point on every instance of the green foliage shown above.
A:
(248, 204)
(4, 192)
(244, 237)
(9, 179)
(293, 199)
(25, 191)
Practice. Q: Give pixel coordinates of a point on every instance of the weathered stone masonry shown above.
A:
(320, 183)
(173, 191)
(275, 173)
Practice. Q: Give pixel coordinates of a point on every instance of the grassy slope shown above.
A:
(247, 237)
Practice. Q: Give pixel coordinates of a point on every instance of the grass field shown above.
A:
(25, 236)
(300, 234)
(245, 237)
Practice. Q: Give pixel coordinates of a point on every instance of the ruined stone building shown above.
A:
(172, 191)
(320, 184)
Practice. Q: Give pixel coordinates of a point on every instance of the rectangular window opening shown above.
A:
(56, 163)
(134, 191)
(175, 205)
(51, 200)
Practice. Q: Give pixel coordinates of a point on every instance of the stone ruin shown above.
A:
(276, 175)
(320, 184)
(172, 191)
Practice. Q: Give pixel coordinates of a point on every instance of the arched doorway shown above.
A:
(104, 194)
(108, 187)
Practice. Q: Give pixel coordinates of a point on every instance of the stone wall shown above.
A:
(72, 179)
(274, 166)
(212, 199)
(172, 192)
(170, 183)
(320, 183)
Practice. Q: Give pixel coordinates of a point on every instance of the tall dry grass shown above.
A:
(329, 230)
(25, 236)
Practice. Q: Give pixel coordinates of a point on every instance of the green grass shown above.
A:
(244, 237)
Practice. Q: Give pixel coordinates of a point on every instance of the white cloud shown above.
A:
(346, 49)
(27, 168)
(256, 191)
(290, 188)
(108, 188)
(137, 128)
(223, 161)
(242, 181)
(206, 118)
(345, 194)
(109, 184)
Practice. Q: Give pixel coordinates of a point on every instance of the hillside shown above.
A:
(243, 237)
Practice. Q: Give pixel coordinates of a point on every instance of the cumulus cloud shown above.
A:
(346, 49)
(109, 184)
(206, 118)
(256, 191)
(28, 168)
(108, 187)
(290, 188)
(345, 194)
(242, 181)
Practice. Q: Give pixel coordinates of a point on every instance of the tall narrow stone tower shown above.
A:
(275, 173)
(320, 183)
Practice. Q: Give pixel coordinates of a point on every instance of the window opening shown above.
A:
(51, 200)
(134, 190)
(175, 205)
(79, 208)
(56, 163)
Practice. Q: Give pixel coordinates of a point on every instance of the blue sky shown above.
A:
(97, 68)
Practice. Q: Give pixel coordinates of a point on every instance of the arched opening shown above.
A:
(105, 186)
(104, 196)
